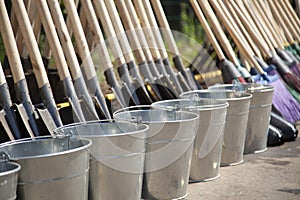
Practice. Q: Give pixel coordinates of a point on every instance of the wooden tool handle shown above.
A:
(108, 28)
(132, 34)
(139, 8)
(292, 12)
(239, 25)
(136, 23)
(83, 47)
(155, 29)
(253, 14)
(10, 45)
(92, 20)
(53, 40)
(217, 29)
(163, 22)
(286, 20)
(281, 22)
(119, 30)
(31, 43)
(266, 24)
(252, 31)
(65, 39)
(243, 47)
(207, 29)
(268, 13)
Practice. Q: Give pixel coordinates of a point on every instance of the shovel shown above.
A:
(60, 61)
(122, 52)
(152, 54)
(38, 66)
(122, 94)
(179, 86)
(8, 118)
(25, 113)
(85, 99)
(170, 41)
(152, 44)
(142, 53)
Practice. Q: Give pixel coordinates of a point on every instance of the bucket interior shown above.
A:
(7, 167)
(42, 147)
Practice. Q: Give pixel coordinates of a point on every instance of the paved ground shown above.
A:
(274, 175)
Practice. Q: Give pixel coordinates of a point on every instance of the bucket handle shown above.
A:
(4, 157)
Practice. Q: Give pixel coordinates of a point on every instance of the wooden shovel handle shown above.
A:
(136, 23)
(155, 29)
(97, 33)
(53, 40)
(10, 45)
(132, 34)
(81, 41)
(119, 30)
(31, 43)
(65, 39)
(139, 8)
(163, 22)
(108, 28)
(207, 29)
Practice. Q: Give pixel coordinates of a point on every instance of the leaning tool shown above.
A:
(87, 104)
(22, 92)
(170, 41)
(60, 62)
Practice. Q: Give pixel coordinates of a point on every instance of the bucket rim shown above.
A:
(244, 95)
(35, 139)
(222, 104)
(257, 87)
(124, 110)
(111, 121)
(12, 171)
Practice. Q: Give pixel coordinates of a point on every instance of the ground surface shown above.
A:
(273, 174)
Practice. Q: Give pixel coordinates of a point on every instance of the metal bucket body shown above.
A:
(236, 122)
(8, 179)
(259, 114)
(206, 155)
(117, 157)
(52, 168)
(169, 144)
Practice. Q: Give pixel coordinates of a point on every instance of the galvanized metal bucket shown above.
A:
(169, 144)
(207, 149)
(52, 168)
(8, 177)
(259, 114)
(117, 157)
(236, 122)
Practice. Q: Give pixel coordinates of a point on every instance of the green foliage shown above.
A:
(190, 24)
